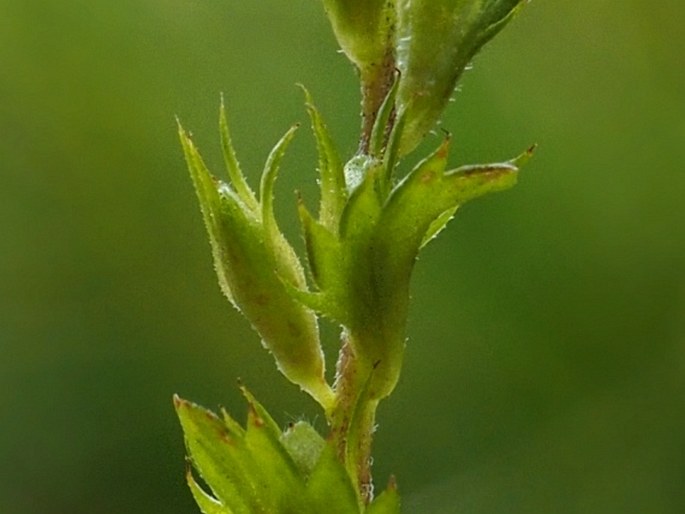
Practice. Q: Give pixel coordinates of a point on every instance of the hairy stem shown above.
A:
(353, 418)
(376, 80)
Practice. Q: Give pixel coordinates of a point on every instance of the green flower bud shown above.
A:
(254, 263)
(436, 40)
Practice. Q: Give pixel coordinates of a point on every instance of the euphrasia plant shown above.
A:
(361, 247)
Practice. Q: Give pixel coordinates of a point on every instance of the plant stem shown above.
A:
(376, 80)
(353, 418)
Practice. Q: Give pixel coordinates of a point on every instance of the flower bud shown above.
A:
(254, 262)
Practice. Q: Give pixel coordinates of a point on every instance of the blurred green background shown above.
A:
(545, 370)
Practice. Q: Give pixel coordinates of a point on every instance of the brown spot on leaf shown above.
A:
(427, 177)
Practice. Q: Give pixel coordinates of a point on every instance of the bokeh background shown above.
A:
(545, 370)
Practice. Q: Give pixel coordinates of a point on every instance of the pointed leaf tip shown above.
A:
(388, 502)
(332, 180)
(270, 173)
(207, 503)
(522, 159)
(231, 162)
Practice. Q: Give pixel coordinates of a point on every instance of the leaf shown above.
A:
(207, 503)
(437, 225)
(424, 201)
(208, 196)
(283, 484)
(269, 175)
(436, 41)
(332, 179)
(388, 502)
(391, 155)
(364, 206)
(380, 244)
(253, 260)
(329, 488)
(221, 458)
(322, 248)
(231, 161)
(259, 470)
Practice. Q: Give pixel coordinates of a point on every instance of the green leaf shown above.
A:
(231, 161)
(252, 260)
(259, 470)
(388, 502)
(221, 457)
(436, 41)
(379, 244)
(283, 484)
(426, 199)
(269, 175)
(391, 155)
(207, 191)
(364, 205)
(428, 192)
(437, 225)
(329, 489)
(324, 259)
(332, 181)
(323, 250)
(207, 503)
